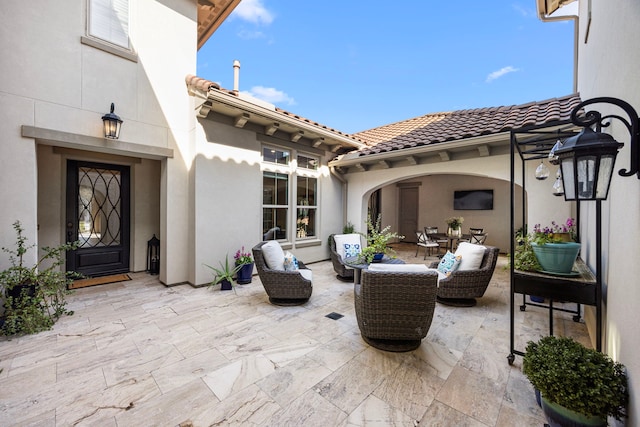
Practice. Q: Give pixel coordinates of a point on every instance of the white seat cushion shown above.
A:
(471, 256)
(273, 255)
(348, 244)
(400, 268)
(306, 273)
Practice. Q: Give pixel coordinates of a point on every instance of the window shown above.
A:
(108, 20)
(279, 173)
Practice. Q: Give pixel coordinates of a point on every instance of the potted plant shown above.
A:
(377, 240)
(224, 274)
(34, 295)
(555, 248)
(244, 261)
(578, 385)
(455, 225)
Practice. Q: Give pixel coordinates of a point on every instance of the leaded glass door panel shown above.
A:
(98, 217)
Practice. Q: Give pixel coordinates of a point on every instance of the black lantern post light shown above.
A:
(587, 159)
(153, 255)
(111, 124)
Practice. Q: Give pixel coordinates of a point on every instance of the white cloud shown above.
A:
(248, 35)
(271, 95)
(501, 72)
(253, 11)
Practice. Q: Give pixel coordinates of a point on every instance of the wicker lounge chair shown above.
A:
(395, 309)
(343, 272)
(462, 288)
(282, 287)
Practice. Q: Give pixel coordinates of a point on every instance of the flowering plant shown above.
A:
(455, 222)
(377, 239)
(553, 234)
(243, 257)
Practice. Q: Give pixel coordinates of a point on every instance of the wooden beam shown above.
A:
(272, 128)
(483, 150)
(361, 167)
(316, 142)
(295, 137)
(444, 156)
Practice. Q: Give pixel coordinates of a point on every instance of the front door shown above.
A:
(98, 217)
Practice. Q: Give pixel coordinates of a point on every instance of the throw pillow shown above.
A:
(290, 262)
(347, 239)
(471, 254)
(449, 263)
(351, 249)
(273, 255)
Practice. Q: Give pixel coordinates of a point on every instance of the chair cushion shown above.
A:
(441, 275)
(273, 255)
(471, 255)
(449, 263)
(306, 273)
(290, 262)
(401, 268)
(348, 245)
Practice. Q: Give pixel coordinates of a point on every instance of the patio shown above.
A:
(139, 353)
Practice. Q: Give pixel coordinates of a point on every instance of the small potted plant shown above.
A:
(377, 240)
(455, 225)
(224, 274)
(244, 261)
(578, 385)
(34, 295)
(555, 247)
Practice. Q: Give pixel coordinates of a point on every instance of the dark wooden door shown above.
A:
(98, 217)
(408, 213)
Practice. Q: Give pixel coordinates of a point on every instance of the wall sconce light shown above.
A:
(111, 124)
(587, 159)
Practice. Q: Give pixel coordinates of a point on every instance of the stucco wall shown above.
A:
(52, 81)
(608, 65)
(439, 180)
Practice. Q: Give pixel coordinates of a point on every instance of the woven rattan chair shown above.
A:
(394, 310)
(462, 288)
(343, 272)
(282, 287)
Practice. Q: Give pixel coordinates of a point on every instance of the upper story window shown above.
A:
(108, 20)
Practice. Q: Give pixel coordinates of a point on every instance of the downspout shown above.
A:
(576, 32)
(333, 172)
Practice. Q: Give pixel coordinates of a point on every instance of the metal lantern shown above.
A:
(111, 124)
(587, 161)
(153, 255)
(588, 158)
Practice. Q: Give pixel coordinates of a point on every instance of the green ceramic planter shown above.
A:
(557, 257)
(559, 416)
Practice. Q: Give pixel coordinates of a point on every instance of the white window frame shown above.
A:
(109, 22)
(293, 171)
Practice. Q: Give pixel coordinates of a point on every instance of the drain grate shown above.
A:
(333, 315)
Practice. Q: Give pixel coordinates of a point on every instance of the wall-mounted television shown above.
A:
(464, 200)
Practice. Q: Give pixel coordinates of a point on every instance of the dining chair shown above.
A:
(423, 241)
(433, 235)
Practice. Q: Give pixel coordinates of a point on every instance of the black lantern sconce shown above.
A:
(587, 159)
(153, 255)
(111, 124)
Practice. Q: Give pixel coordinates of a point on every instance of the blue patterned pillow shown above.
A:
(290, 262)
(351, 249)
(449, 263)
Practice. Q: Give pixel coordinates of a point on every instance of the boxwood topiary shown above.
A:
(581, 379)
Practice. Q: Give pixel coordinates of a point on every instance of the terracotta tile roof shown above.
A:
(457, 125)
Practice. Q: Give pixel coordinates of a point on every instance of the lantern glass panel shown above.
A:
(586, 176)
(568, 178)
(604, 175)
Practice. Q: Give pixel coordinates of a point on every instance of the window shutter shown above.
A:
(109, 21)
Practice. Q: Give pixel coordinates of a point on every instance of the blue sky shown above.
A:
(355, 65)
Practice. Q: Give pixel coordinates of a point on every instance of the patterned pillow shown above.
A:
(351, 249)
(290, 262)
(449, 263)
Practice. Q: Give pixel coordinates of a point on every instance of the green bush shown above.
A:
(581, 379)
